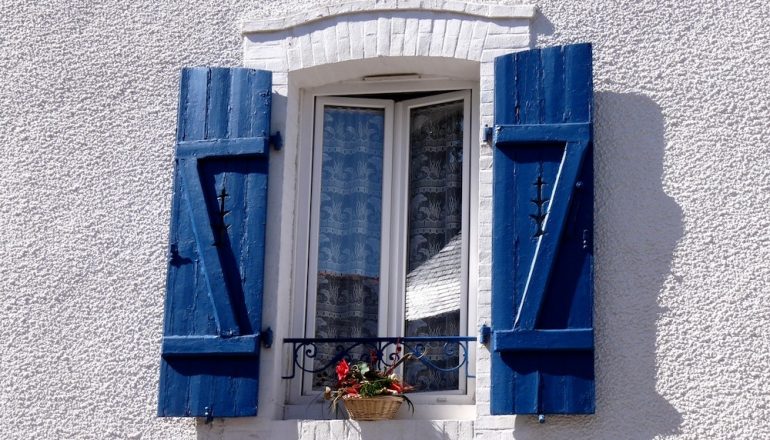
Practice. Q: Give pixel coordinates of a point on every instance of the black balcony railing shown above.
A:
(440, 353)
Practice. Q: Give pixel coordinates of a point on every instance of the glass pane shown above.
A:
(348, 277)
(434, 275)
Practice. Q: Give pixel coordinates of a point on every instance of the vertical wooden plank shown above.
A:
(261, 104)
(528, 385)
(552, 60)
(183, 296)
(194, 94)
(255, 191)
(529, 86)
(194, 127)
(239, 92)
(506, 98)
(504, 247)
(178, 278)
(578, 83)
(220, 184)
(255, 98)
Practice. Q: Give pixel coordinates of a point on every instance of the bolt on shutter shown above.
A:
(210, 353)
(542, 265)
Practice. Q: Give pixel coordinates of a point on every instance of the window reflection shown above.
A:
(434, 266)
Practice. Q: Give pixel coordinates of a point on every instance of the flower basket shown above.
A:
(369, 394)
(373, 408)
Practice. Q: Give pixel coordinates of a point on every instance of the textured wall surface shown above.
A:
(683, 225)
(683, 216)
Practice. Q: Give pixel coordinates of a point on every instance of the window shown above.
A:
(541, 356)
(388, 222)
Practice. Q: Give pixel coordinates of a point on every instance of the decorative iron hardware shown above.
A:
(539, 217)
(222, 227)
(387, 351)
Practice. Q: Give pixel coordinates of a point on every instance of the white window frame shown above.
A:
(457, 404)
(315, 206)
(401, 187)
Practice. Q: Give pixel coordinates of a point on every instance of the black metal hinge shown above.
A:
(485, 335)
(488, 134)
(276, 140)
(266, 336)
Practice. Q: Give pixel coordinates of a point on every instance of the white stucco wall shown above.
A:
(682, 231)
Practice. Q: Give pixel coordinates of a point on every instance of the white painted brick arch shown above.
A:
(370, 29)
(396, 33)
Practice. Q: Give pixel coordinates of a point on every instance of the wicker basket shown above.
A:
(373, 408)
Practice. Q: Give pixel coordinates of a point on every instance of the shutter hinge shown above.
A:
(276, 140)
(173, 254)
(485, 335)
(487, 134)
(266, 336)
(174, 258)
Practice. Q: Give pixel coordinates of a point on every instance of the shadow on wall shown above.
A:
(637, 228)
(540, 26)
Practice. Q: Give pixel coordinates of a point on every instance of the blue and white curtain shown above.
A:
(433, 282)
(348, 278)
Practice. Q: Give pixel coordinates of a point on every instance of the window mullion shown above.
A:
(397, 219)
(386, 246)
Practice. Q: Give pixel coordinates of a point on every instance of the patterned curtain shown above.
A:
(433, 282)
(349, 238)
(348, 278)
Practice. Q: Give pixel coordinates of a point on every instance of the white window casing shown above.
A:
(394, 223)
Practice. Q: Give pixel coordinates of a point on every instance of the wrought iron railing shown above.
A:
(431, 351)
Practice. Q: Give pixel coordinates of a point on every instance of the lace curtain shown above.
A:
(433, 286)
(348, 278)
(349, 235)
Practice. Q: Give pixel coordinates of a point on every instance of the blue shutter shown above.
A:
(210, 354)
(542, 255)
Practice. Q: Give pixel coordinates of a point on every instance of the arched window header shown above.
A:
(526, 12)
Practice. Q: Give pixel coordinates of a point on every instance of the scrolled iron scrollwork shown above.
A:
(383, 352)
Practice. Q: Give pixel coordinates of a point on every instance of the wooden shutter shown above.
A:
(542, 255)
(210, 354)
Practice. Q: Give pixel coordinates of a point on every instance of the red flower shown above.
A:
(396, 387)
(342, 369)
